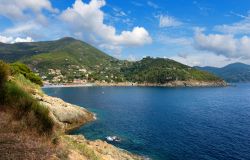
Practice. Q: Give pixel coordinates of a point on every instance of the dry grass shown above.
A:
(82, 148)
(25, 107)
(17, 141)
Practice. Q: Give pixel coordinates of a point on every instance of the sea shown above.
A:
(168, 123)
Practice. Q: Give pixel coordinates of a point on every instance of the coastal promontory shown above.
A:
(34, 125)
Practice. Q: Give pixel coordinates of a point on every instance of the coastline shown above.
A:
(68, 85)
(68, 117)
(172, 84)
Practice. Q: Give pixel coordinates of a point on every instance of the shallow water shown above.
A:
(168, 123)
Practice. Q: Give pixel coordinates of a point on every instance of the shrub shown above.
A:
(34, 78)
(20, 68)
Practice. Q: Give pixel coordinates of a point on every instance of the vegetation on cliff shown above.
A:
(14, 97)
(20, 68)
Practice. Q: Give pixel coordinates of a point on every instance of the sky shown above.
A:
(193, 32)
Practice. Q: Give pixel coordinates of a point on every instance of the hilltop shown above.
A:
(68, 60)
(235, 72)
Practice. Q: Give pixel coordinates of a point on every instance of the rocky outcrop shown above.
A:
(65, 115)
(98, 149)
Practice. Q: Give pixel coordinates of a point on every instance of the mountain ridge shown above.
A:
(234, 72)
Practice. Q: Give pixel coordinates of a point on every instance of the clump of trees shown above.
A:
(20, 68)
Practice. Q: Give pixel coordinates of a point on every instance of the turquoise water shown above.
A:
(168, 123)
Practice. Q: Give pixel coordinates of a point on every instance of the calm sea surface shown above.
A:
(168, 123)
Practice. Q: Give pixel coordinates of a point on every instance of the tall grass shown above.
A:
(26, 84)
(15, 95)
(24, 105)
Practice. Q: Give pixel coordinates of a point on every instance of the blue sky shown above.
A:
(194, 32)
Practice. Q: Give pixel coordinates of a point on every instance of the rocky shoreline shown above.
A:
(67, 117)
(192, 83)
(172, 84)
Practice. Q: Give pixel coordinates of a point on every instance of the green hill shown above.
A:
(160, 70)
(69, 60)
(64, 60)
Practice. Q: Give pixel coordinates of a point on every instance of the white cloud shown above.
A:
(84, 21)
(203, 8)
(153, 5)
(168, 21)
(138, 36)
(131, 58)
(21, 28)
(137, 4)
(28, 18)
(181, 41)
(111, 48)
(88, 19)
(119, 12)
(4, 39)
(242, 27)
(223, 44)
(18, 9)
(34, 29)
(206, 59)
(118, 16)
(27, 39)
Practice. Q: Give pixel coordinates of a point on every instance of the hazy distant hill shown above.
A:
(236, 72)
(68, 60)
